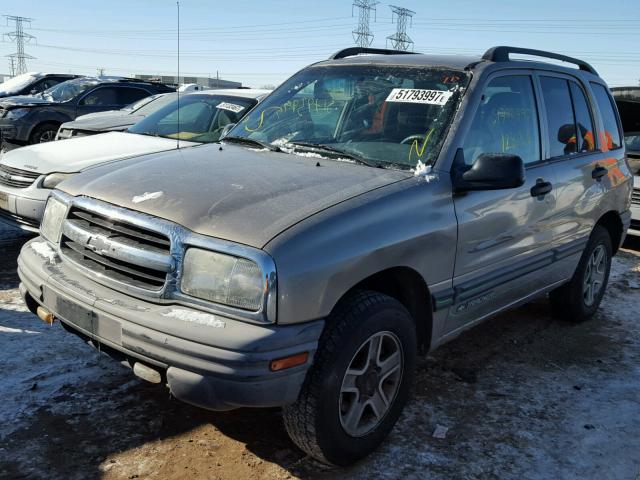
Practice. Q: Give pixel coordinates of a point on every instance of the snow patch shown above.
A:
(146, 196)
(195, 317)
(44, 250)
(424, 170)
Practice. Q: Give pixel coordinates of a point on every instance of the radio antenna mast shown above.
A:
(178, 82)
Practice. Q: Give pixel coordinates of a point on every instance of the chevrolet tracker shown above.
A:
(373, 206)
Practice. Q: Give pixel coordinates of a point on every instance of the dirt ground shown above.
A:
(524, 395)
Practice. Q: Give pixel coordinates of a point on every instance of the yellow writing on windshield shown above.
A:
(415, 145)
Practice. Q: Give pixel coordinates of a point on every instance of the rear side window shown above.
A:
(584, 137)
(506, 121)
(560, 120)
(611, 135)
(127, 95)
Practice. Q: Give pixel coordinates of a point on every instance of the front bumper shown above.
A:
(23, 207)
(16, 131)
(634, 227)
(209, 361)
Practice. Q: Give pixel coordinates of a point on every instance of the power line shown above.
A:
(18, 59)
(400, 40)
(363, 36)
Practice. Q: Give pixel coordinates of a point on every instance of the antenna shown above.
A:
(178, 82)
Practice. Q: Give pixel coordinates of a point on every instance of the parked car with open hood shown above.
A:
(628, 101)
(114, 120)
(368, 207)
(28, 174)
(32, 83)
(36, 118)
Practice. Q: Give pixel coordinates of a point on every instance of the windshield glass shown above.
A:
(383, 115)
(202, 117)
(17, 83)
(149, 105)
(68, 90)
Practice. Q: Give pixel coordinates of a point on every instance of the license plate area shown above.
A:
(82, 317)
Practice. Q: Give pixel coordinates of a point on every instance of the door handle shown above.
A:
(541, 188)
(598, 172)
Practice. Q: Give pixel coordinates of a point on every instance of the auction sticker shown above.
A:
(232, 107)
(419, 95)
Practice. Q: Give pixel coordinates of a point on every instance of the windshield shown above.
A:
(202, 117)
(384, 115)
(17, 83)
(65, 91)
(149, 105)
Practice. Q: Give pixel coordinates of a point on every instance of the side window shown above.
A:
(560, 120)
(584, 122)
(127, 95)
(506, 121)
(611, 135)
(101, 96)
(43, 84)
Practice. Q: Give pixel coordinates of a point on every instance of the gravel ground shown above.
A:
(522, 396)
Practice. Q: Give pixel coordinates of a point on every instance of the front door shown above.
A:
(504, 240)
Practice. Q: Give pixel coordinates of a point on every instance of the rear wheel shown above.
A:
(44, 133)
(359, 382)
(579, 299)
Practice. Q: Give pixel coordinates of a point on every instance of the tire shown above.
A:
(573, 301)
(319, 422)
(44, 133)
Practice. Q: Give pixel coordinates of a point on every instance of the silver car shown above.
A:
(371, 207)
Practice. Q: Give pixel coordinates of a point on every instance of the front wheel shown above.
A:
(44, 133)
(579, 299)
(359, 382)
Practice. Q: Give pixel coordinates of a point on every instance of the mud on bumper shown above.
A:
(220, 364)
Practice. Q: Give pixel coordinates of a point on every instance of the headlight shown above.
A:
(52, 180)
(17, 113)
(52, 220)
(224, 279)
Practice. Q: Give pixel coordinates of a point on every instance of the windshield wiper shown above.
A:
(252, 142)
(335, 152)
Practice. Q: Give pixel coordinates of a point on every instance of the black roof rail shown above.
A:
(351, 51)
(501, 54)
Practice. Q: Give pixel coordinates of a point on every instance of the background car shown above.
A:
(114, 120)
(628, 102)
(28, 174)
(32, 83)
(36, 119)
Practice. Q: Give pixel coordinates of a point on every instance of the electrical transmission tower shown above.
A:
(18, 59)
(363, 36)
(402, 16)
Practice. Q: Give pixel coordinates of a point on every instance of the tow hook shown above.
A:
(45, 315)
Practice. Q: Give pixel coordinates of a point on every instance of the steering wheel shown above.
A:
(415, 136)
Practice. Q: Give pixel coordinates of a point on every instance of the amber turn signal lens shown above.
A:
(288, 362)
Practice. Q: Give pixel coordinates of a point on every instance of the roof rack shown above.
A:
(501, 54)
(351, 51)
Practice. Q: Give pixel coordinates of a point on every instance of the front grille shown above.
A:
(14, 177)
(635, 196)
(116, 249)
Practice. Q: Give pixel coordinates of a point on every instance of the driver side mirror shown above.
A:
(491, 171)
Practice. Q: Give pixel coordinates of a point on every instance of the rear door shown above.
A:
(585, 147)
(504, 239)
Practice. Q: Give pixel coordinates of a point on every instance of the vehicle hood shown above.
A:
(76, 154)
(233, 193)
(24, 101)
(106, 122)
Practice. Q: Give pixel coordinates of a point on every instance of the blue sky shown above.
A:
(264, 42)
